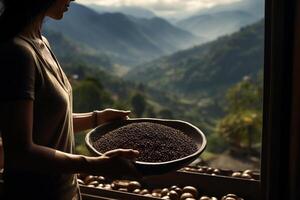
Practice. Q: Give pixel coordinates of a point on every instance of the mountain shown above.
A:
(223, 19)
(167, 36)
(207, 69)
(124, 40)
(70, 52)
(127, 10)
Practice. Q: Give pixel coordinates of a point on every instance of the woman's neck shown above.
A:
(33, 30)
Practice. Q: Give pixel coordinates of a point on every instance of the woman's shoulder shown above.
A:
(45, 40)
(16, 48)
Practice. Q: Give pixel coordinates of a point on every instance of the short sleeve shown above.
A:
(17, 75)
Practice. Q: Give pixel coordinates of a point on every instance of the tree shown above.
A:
(138, 103)
(89, 95)
(150, 112)
(242, 125)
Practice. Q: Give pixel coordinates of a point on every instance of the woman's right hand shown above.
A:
(115, 164)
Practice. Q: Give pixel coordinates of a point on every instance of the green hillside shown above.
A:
(95, 86)
(207, 69)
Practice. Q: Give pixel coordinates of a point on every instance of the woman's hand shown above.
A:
(109, 114)
(115, 164)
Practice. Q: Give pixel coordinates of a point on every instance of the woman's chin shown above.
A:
(57, 16)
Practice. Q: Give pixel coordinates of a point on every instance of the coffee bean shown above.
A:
(173, 195)
(246, 176)
(133, 185)
(164, 191)
(186, 195)
(190, 189)
(204, 198)
(236, 174)
(136, 191)
(144, 191)
(155, 142)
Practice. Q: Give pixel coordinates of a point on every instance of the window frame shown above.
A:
(279, 58)
(279, 100)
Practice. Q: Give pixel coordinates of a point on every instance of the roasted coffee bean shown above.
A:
(101, 179)
(248, 171)
(94, 183)
(107, 187)
(231, 197)
(89, 179)
(205, 198)
(246, 176)
(144, 191)
(173, 195)
(186, 195)
(190, 189)
(178, 190)
(236, 174)
(101, 185)
(155, 142)
(164, 191)
(132, 185)
(173, 187)
(136, 191)
(154, 194)
(119, 184)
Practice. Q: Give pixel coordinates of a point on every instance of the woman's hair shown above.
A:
(15, 15)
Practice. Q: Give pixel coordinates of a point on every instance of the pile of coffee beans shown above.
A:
(173, 192)
(246, 174)
(155, 142)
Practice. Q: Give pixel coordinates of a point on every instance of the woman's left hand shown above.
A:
(109, 114)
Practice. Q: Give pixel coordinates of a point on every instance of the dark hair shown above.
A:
(15, 15)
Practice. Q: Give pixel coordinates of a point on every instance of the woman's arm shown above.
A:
(84, 121)
(22, 154)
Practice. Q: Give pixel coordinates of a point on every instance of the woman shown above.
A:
(36, 118)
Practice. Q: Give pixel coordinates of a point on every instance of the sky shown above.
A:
(162, 7)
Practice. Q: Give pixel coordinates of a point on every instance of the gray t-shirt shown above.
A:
(51, 92)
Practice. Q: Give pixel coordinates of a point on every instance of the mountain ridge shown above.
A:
(112, 33)
(208, 68)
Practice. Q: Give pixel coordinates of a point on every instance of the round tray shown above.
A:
(149, 168)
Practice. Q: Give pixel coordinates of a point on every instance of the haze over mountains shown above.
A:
(208, 23)
(127, 40)
(223, 19)
(127, 10)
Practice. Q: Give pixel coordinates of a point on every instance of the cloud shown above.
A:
(163, 7)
